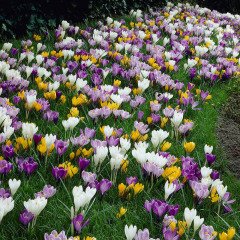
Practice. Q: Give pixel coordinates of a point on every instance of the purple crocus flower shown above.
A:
(83, 163)
(37, 138)
(210, 158)
(8, 151)
(61, 146)
(104, 185)
(215, 175)
(168, 234)
(159, 208)
(26, 217)
(59, 173)
(79, 223)
(27, 165)
(5, 167)
(173, 209)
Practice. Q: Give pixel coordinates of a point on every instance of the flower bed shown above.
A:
(96, 127)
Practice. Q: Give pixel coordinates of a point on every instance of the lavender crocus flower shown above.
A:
(47, 192)
(207, 233)
(104, 185)
(61, 146)
(54, 235)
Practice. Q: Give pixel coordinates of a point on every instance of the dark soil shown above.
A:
(228, 132)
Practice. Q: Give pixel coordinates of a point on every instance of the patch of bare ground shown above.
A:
(228, 132)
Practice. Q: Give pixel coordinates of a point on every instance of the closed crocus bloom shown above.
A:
(35, 206)
(208, 149)
(80, 83)
(177, 118)
(65, 24)
(108, 131)
(71, 123)
(169, 189)
(189, 146)
(221, 190)
(14, 185)
(6, 206)
(130, 231)
(7, 46)
(189, 215)
(125, 144)
(206, 172)
(143, 84)
(158, 137)
(197, 222)
(50, 139)
(100, 155)
(28, 130)
(30, 100)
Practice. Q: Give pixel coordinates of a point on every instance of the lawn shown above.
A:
(131, 104)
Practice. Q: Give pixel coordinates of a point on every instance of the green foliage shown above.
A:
(20, 17)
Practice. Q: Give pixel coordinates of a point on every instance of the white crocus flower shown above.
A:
(130, 231)
(6, 206)
(14, 185)
(177, 118)
(206, 171)
(208, 149)
(189, 215)
(197, 222)
(158, 136)
(65, 25)
(100, 155)
(50, 139)
(108, 131)
(28, 130)
(144, 84)
(169, 189)
(7, 46)
(221, 190)
(80, 83)
(35, 206)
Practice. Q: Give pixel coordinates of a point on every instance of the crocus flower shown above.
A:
(79, 223)
(59, 172)
(207, 233)
(8, 151)
(14, 185)
(83, 163)
(54, 235)
(26, 217)
(104, 185)
(130, 231)
(35, 206)
(61, 146)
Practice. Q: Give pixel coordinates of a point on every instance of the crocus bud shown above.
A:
(130, 231)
